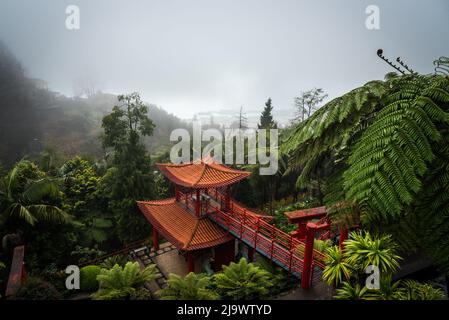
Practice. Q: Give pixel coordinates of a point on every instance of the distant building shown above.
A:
(39, 83)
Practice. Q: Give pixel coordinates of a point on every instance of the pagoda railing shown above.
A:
(268, 240)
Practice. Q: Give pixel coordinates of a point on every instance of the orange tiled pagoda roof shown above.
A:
(201, 174)
(180, 227)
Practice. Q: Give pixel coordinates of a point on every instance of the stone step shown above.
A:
(147, 262)
(164, 245)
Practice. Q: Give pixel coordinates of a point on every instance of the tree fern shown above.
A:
(386, 165)
(243, 280)
(331, 128)
(121, 282)
(385, 150)
(191, 287)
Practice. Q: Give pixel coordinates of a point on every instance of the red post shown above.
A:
(198, 203)
(257, 232)
(273, 238)
(177, 193)
(301, 231)
(190, 263)
(308, 256)
(242, 221)
(227, 198)
(343, 237)
(155, 235)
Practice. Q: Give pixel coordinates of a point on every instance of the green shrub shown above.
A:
(88, 278)
(36, 289)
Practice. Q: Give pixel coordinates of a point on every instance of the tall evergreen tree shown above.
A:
(266, 118)
(130, 177)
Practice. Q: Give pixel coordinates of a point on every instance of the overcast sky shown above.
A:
(189, 56)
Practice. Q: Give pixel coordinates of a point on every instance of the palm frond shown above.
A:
(39, 189)
(45, 212)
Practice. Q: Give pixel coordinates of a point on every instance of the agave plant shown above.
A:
(25, 198)
(388, 290)
(122, 282)
(363, 250)
(349, 292)
(337, 268)
(191, 287)
(243, 280)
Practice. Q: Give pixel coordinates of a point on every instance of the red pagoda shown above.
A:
(183, 220)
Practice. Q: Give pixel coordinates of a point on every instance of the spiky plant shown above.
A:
(363, 250)
(242, 281)
(388, 290)
(191, 287)
(337, 268)
(349, 292)
(122, 282)
(322, 245)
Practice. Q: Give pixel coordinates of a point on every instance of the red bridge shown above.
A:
(206, 195)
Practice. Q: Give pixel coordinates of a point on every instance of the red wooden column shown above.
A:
(155, 235)
(198, 203)
(343, 236)
(177, 195)
(224, 254)
(228, 198)
(190, 263)
(308, 256)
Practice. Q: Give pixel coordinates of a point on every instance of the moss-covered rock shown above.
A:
(88, 278)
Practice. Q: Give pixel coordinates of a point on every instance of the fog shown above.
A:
(196, 56)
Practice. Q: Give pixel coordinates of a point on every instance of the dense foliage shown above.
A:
(382, 152)
(27, 194)
(130, 177)
(347, 271)
(122, 282)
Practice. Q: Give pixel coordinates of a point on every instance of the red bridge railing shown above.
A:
(297, 257)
